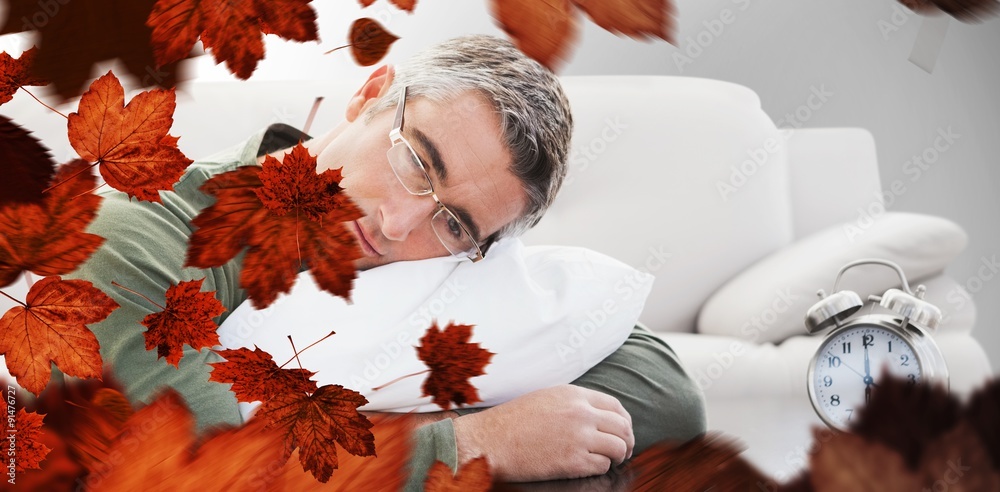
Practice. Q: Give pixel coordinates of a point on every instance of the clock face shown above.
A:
(851, 363)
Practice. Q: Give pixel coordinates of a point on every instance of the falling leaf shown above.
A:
(95, 427)
(388, 470)
(707, 462)
(313, 423)
(369, 41)
(74, 36)
(28, 165)
(452, 361)
(407, 5)
(131, 143)
(232, 31)
(255, 376)
(963, 10)
(51, 327)
(15, 74)
(850, 462)
(473, 476)
(187, 319)
(25, 432)
(288, 217)
(48, 238)
(635, 18)
(156, 451)
(981, 413)
(543, 30)
(959, 460)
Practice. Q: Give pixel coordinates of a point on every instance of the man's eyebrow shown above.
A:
(437, 164)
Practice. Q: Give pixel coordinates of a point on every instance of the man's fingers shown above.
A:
(619, 427)
(608, 402)
(611, 447)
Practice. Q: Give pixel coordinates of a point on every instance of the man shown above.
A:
(478, 153)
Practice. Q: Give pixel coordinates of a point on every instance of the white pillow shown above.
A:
(549, 313)
(769, 300)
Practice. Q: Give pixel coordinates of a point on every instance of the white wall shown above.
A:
(782, 50)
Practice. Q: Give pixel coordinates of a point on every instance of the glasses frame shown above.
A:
(396, 137)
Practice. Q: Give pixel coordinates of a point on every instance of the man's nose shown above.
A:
(405, 212)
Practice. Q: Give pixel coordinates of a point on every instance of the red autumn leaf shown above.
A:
(233, 31)
(74, 36)
(289, 218)
(313, 423)
(255, 376)
(543, 30)
(963, 10)
(407, 5)
(15, 74)
(386, 471)
(452, 361)
(369, 41)
(51, 327)
(187, 319)
(24, 432)
(28, 165)
(850, 462)
(94, 427)
(156, 449)
(473, 476)
(48, 238)
(635, 18)
(130, 142)
(708, 462)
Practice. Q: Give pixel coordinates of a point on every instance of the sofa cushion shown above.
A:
(768, 301)
(682, 177)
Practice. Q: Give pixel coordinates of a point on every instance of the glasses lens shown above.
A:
(451, 233)
(407, 168)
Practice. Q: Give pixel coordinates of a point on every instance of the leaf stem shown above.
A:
(296, 356)
(296, 352)
(400, 378)
(120, 286)
(50, 188)
(337, 48)
(11, 298)
(54, 110)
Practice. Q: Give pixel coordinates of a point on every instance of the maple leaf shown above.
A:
(452, 361)
(77, 35)
(313, 423)
(232, 31)
(131, 143)
(544, 31)
(255, 376)
(279, 213)
(473, 476)
(849, 462)
(386, 471)
(634, 18)
(25, 432)
(156, 451)
(707, 462)
(187, 318)
(407, 5)
(94, 427)
(28, 165)
(369, 41)
(47, 238)
(15, 74)
(984, 406)
(51, 327)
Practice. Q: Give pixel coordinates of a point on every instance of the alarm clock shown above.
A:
(862, 349)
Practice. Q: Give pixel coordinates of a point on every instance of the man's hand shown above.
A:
(560, 432)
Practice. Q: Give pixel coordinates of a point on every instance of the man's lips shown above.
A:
(366, 246)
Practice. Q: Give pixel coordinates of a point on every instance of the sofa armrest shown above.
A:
(833, 174)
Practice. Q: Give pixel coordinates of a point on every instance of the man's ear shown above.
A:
(375, 87)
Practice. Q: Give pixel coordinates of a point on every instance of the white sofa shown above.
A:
(663, 176)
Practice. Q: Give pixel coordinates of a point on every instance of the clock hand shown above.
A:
(849, 367)
(868, 393)
(868, 370)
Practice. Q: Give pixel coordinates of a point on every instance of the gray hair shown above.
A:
(535, 118)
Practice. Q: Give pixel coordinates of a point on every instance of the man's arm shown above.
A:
(549, 434)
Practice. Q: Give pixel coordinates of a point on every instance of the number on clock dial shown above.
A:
(839, 374)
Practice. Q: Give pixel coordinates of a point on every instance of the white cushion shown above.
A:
(662, 176)
(769, 300)
(548, 313)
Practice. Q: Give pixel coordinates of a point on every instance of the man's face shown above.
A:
(463, 136)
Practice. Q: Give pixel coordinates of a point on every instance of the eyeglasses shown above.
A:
(413, 176)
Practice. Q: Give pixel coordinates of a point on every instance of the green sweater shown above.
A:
(145, 250)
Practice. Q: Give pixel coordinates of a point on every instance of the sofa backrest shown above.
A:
(682, 177)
